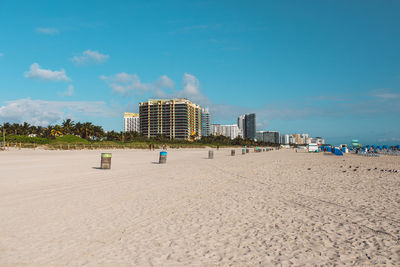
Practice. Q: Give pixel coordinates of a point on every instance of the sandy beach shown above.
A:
(261, 209)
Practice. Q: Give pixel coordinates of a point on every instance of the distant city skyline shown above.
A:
(327, 68)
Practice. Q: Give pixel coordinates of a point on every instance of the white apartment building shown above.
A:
(285, 139)
(231, 131)
(241, 122)
(205, 122)
(131, 122)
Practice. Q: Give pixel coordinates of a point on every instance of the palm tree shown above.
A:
(25, 129)
(88, 130)
(55, 131)
(38, 130)
(98, 131)
(68, 126)
(15, 128)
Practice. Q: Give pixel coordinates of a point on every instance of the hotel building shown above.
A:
(247, 123)
(173, 118)
(268, 137)
(131, 122)
(285, 139)
(231, 131)
(205, 122)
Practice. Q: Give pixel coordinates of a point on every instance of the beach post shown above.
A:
(106, 160)
(233, 152)
(163, 157)
(243, 151)
(210, 154)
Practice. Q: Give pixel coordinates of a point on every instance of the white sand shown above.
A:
(258, 209)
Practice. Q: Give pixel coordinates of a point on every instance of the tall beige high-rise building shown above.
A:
(297, 139)
(174, 118)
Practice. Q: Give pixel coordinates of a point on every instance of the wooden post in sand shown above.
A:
(105, 160)
(232, 152)
(210, 154)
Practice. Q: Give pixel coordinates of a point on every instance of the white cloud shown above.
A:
(165, 82)
(123, 83)
(385, 94)
(41, 112)
(35, 72)
(190, 84)
(69, 92)
(90, 57)
(191, 90)
(48, 31)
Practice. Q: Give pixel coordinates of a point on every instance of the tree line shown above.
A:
(94, 133)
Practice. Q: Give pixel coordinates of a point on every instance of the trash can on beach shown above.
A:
(163, 157)
(247, 150)
(105, 161)
(232, 152)
(210, 154)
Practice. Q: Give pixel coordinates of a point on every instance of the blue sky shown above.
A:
(328, 68)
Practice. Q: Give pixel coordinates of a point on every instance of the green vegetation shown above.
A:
(86, 135)
(12, 138)
(70, 139)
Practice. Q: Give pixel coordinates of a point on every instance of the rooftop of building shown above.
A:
(169, 101)
(130, 115)
(218, 124)
(267, 132)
